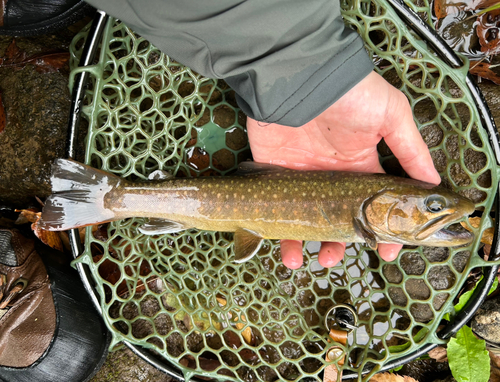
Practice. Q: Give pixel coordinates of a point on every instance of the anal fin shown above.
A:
(161, 226)
(246, 244)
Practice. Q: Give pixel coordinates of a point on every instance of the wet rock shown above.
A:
(426, 370)
(486, 321)
(37, 106)
(125, 366)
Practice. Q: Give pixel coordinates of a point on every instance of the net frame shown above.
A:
(476, 262)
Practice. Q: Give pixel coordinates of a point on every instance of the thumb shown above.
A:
(404, 139)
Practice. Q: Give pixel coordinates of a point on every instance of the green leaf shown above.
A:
(468, 358)
(467, 295)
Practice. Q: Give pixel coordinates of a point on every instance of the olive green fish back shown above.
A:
(181, 294)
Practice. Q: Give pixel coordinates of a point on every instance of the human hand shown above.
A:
(344, 138)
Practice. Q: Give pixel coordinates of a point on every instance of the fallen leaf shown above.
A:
(389, 377)
(50, 238)
(482, 69)
(44, 62)
(488, 233)
(488, 32)
(442, 8)
(495, 367)
(439, 354)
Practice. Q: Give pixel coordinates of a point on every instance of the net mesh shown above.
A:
(182, 296)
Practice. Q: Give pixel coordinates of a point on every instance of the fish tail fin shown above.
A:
(77, 196)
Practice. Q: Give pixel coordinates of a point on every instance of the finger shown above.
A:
(389, 252)
(330, 254)
(291, 253)
(405, 141)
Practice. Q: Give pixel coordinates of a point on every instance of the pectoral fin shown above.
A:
(161, 226)
(246, 245)
(366, 233)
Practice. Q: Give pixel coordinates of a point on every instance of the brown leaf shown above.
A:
(495, 367)
(488, 33)
(44, 62)
(439, 354)
(487, 237)
(389, 377)
(49, 238)
(440, 8)
(482, 69)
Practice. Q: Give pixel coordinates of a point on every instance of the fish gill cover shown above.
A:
(183, 296)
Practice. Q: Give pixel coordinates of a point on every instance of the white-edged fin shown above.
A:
(249, 168)
(78, 196)
(160, 175)
(246, 244)
(161, 226)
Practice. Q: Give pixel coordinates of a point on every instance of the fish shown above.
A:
(263, 201)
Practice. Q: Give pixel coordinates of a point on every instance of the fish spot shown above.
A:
(235, 210)
(227, 196)
(246, 208)
(262, 192)
(350, 192)
(285, 190)
(314, 194)
(344, 206)
(275, 196)
(249, 190)
(204, 194)
(219, 195)
(256, 196)
(235, 195)
(274, 210)
(256, 210)
(330, 193)
(323, 196)
(242, 197)
(296, 189)
(304, 194)
(219, 209)
(342, 192)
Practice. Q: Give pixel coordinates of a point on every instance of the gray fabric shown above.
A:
(7, 255)
(287, 60)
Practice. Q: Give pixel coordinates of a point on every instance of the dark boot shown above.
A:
(37, 17)
(49, 330)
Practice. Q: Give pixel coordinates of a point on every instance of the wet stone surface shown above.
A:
(486, 321)
(36, 105)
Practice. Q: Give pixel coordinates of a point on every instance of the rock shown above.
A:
(486, 321)
(37, 106)
(124, 366)
(425, 370)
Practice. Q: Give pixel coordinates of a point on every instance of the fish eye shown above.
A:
(435, 203)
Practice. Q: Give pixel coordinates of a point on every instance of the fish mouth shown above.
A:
(451, 233)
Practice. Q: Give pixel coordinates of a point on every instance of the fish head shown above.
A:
(418, 216)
